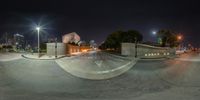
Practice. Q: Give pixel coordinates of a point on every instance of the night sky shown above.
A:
(95, 19)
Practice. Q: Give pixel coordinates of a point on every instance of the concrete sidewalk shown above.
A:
(43, 56)
(6, 56)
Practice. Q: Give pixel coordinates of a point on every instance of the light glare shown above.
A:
(37, 28)
(154, 32)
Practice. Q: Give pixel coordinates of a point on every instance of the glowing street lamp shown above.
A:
(38, 30)
(154, 32)
(179, 37)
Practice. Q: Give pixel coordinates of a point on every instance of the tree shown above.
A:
(133, 36)
(163, 35)
(173, 41)
(115, 39)
(167, 37)
(5, 37)
(43, 46)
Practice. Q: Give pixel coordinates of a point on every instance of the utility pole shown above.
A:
(135, 47)
(38, 30)
(6, 39)
(55, 47)
(6, 42)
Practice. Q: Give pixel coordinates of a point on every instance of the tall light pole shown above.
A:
(179, 38)
(38, 30)
(135, 47)
(154, 33)
(56, 48)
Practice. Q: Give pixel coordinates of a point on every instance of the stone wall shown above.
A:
(146, 51)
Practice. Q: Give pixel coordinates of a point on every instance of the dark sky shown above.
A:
(95, 19)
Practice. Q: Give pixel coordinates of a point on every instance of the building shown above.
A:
(71, 38)
(70, 45)
(19, 42)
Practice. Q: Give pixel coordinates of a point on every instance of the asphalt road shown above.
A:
(96, 65)
(96, 61)
(172, 79)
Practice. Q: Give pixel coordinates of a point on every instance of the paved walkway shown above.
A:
(9, 56)
(42, 57)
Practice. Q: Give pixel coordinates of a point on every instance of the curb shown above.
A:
(159, 58)
(154, 59)
(43, 59)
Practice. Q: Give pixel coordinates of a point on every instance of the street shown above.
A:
(170, 79)
(99, 50)
(96, 65)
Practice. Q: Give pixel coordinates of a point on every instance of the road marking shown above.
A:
(98, 62)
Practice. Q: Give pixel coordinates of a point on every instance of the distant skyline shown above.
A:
(95, 19)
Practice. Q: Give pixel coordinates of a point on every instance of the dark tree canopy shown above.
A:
(167, 38)
(115, 39)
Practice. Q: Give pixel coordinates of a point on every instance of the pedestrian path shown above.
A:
(9, 56)
(42, 56)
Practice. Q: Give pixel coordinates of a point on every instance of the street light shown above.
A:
(38, 30)
(179, 37)
(135, 47)
(154, 32)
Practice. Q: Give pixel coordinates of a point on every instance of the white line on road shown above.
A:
(98, 62)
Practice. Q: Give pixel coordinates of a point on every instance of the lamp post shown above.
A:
(38, 30)
(135, 47)
(154, 33)
(179, 38)
(56, 48)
